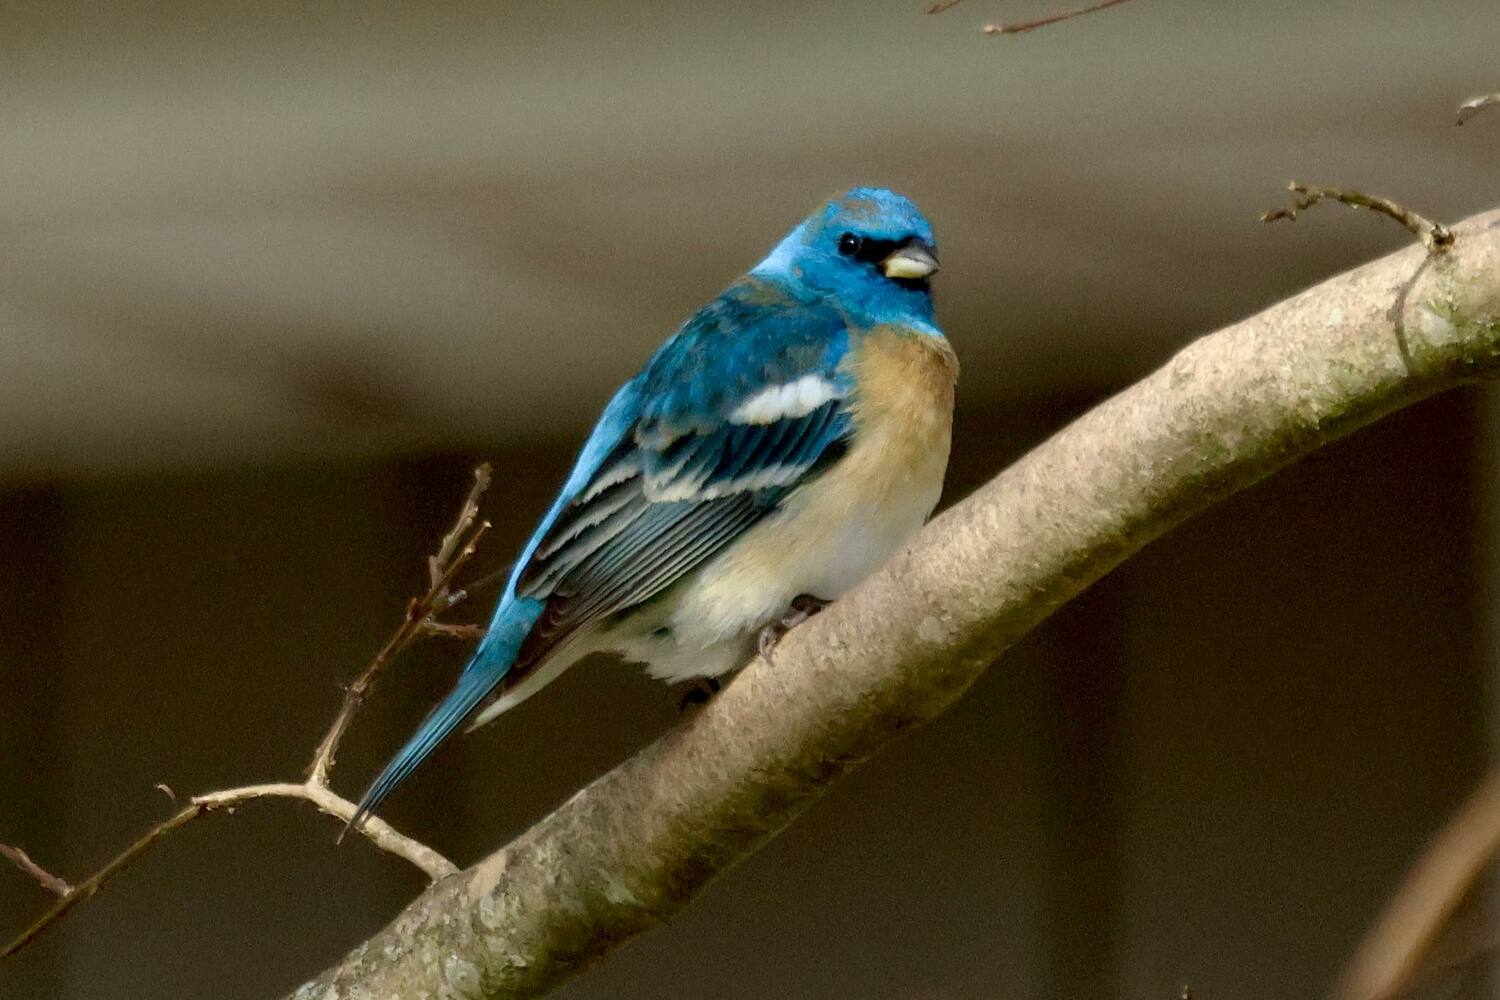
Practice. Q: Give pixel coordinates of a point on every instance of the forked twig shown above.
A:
(1434, 235)
(91, 885)
(479, 586)
(439, 566)
(441, 569)
(44, 878)
(379, 833)
(454, 550)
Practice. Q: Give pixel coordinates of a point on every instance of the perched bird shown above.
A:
(778, 448)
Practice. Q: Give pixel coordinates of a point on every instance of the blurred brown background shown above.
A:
(277, 274)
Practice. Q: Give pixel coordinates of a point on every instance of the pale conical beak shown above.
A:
(913, 261)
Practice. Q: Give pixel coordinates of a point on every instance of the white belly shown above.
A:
(716, 614)
(828, 537)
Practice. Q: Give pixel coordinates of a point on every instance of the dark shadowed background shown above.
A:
(276, 275)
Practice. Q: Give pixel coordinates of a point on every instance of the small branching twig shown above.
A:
(479, 586)
(1468, 109)
(91, 885)
(469, 633)
(44, 878)
(376, 830)
(441, 568)
(1434, 235)
(1017, 27)
(454, 550)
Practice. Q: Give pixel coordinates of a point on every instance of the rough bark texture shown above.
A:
(631, 849)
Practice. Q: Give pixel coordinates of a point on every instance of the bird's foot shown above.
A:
(804, 606)
(700, 693)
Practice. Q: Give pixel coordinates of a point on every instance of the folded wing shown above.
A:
(744, 405)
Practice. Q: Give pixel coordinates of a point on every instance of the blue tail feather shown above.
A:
(491, 662)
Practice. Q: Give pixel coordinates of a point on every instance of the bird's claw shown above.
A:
(804, 606)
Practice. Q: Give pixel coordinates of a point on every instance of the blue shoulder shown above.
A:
(757, 333)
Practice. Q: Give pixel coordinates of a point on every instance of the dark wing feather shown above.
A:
(688, 478)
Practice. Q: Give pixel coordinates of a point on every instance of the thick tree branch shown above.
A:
(633, 848)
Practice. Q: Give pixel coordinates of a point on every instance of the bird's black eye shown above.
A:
(849, 244)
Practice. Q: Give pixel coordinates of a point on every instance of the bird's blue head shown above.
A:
(869, 249)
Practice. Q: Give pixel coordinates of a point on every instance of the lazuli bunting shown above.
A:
(778, 448)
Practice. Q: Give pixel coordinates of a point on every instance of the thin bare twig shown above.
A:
(442, 601)
(470, 633)
(942, 5)
(330, 803)
(1394, 949)
(91, 885)
(379, 833)
(44, 878)
(454, 550)
(1434, 235)
(1468, 109)
(437, 565)
(440, 569)
(479, 586)
(1017, 27)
